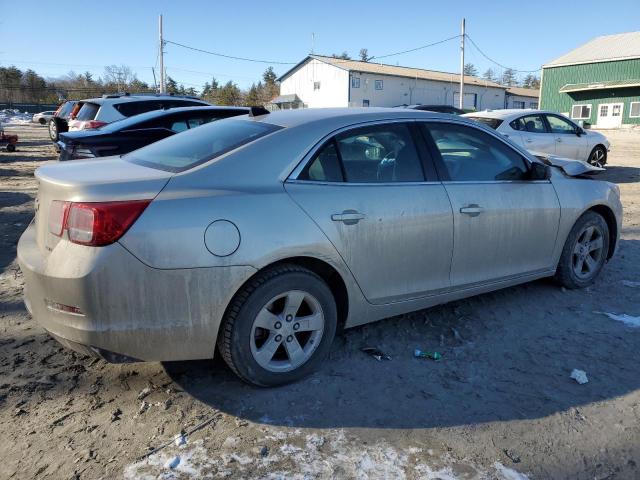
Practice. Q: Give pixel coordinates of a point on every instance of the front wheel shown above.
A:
(598, 157)
(279, 327)
(585, 251)
(53, 130)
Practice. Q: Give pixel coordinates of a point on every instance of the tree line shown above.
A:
(509, 77)
(18, 86)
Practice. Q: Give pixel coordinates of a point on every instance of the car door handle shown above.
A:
(529, 140)
(348, 217)
(559, 140)
(472, 210)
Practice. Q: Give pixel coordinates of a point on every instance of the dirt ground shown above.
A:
(500, 403)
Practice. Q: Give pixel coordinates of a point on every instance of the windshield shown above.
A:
(193, 147)
(489, 122)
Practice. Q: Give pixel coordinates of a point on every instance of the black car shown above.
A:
(436, 108)
(135, 132)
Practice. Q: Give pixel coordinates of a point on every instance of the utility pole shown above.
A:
(162, 85)
(461, 100)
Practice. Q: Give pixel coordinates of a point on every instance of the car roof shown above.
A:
(506, 113)
(138, 98)
(343, 116)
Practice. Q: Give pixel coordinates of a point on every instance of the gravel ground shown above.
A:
(500, 403)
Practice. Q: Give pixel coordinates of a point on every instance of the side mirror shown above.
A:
(579, 131)
(540, 171)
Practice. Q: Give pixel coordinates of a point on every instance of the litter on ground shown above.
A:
(579, 376)
(424, 354)
(629, 320)
(376, 353)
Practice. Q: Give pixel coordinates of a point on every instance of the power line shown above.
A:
(232, 57)
(416, 49)
(493, 61)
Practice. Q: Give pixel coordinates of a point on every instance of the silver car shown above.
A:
(263, 234)
(547, 132)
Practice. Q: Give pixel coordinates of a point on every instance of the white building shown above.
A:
(519, 97)
(319, 81)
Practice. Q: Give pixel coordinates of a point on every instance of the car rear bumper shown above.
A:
(123, 310)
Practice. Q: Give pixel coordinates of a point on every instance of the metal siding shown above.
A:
(556, 77)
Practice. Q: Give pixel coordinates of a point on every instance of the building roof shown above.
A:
(524, 92)
(622, 46)
(383, 69)
(582, 87)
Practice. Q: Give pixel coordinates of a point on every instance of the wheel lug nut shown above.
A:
(289, 338)
(278, 325)
(278, 338)
(296, 326)
(289, 318)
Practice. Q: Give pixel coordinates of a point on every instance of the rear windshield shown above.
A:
(88, 111)
(489, 122)
(66, 108)
(193, 147)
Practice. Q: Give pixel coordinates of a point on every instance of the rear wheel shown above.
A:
(585, 251)
(279, 327)
(53, 130)
(42, 121)
(598, 156)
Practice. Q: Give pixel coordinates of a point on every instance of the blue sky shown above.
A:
(54, 37)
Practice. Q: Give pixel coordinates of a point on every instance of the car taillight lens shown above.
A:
(95, 224)
(89, 124)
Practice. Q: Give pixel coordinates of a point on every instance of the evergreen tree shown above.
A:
(509, 78)
(270, 89)
(490, 75)
(229, 94)
(470, 69)
(254, 95)
(171, 86)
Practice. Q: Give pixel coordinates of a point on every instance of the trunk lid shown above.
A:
(104, 180)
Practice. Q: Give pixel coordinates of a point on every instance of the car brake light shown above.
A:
(96, 224)
(58, 217)
(90, 124)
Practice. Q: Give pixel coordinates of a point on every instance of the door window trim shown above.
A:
(550, 129)
(443, 174)
(426, 159)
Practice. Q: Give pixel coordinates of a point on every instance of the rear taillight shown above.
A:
(94, 224)
(89, 124)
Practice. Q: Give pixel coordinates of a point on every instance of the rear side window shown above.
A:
(325, 166)
(88, 111)
(469, 155)
(489, 122)
(193, 147)
(129, 109)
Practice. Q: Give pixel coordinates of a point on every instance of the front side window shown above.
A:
(193, 147)
(530, 123)
(560, 125)
(471, 155)
(179, 126)
(581, 112)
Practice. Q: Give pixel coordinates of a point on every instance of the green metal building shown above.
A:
(597, 83)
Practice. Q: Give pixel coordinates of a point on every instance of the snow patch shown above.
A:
(628, 320)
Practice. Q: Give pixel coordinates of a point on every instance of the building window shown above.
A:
(604, 110)
(365, 103)
(616, 110)
(581, 112)
(355, 82)
(518, 104)
(634, 111)
(378, 84)
(533, 105)
(316, 85)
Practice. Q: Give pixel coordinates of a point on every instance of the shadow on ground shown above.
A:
(511, 360)
(617, 174)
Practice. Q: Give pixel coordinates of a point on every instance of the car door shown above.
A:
(505, 224)
(365, 188)
(535, 134)
(568, 143)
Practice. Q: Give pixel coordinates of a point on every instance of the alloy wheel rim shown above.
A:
(588, 252)
(597, 158)
(287, 331)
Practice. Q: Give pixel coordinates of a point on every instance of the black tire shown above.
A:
(235, 336)
(42, 121)
(566, 273)
(11, 147)
(598, 156)
(53, 130)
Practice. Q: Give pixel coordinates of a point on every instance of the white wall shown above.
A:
(333, 91)
(517, 98)
(400, 90)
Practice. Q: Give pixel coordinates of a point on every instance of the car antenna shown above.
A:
(257, 111)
